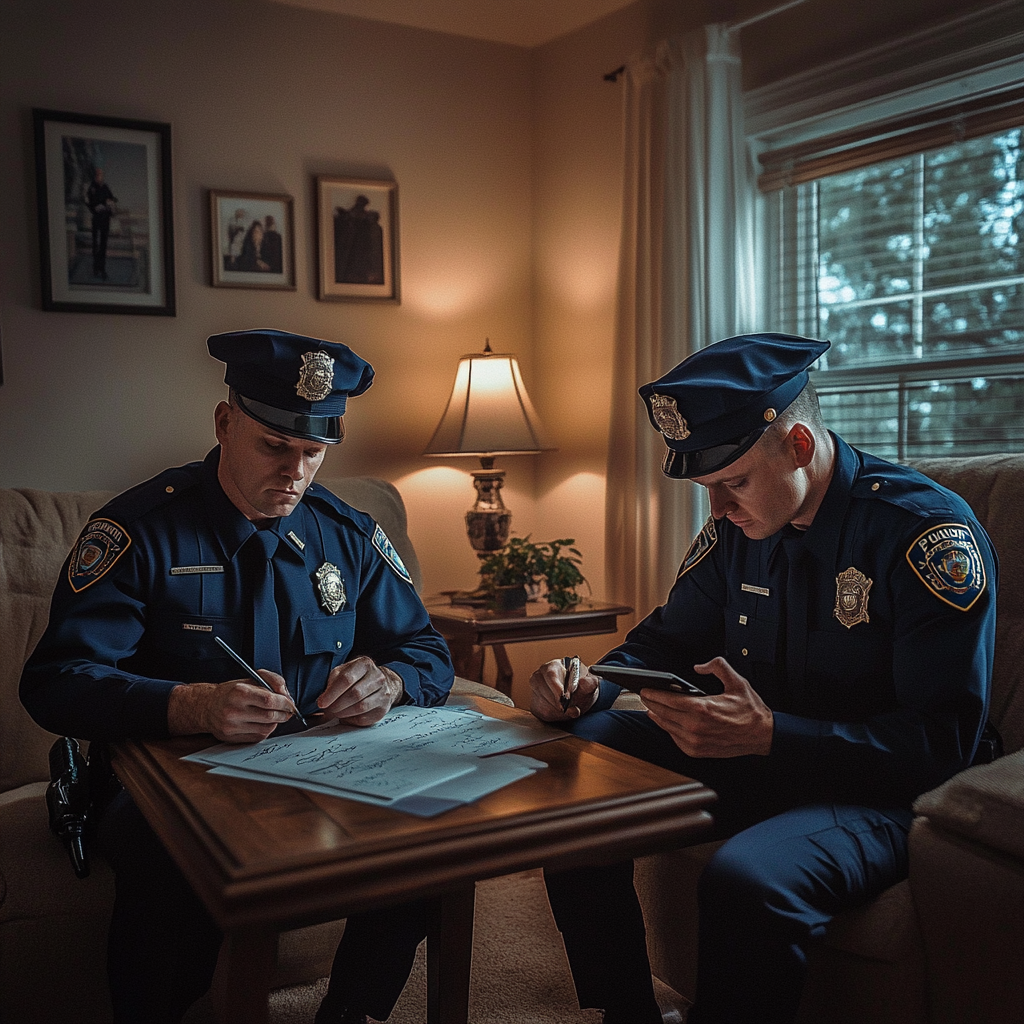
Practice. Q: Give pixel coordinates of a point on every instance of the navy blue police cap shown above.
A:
(291, 383)
(715, 405)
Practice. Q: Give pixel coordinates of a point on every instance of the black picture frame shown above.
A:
(357, 220)
(100, 251)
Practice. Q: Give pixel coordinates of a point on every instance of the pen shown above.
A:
(257, 678)
(572, 677)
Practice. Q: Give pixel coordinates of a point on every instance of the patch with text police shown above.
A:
(101, 544)
(702, 544)
(947, 560)
(391, 556)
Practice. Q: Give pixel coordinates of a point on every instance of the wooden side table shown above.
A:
(469, 631)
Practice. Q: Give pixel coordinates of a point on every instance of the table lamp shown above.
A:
(489, 413)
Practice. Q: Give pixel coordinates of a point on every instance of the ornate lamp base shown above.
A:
(488, 522)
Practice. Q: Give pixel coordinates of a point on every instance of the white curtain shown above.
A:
(686, 279)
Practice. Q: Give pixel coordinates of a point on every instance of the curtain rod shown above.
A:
(613, 76)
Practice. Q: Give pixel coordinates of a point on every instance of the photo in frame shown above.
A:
(357, 232)
(252, 240)
(106, 238)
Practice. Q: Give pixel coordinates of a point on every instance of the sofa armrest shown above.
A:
(984, 804)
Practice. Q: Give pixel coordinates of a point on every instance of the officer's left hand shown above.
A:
(360, 692)
(729, 724)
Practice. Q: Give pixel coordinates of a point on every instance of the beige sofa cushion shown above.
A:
(984, 803)
(37, 529)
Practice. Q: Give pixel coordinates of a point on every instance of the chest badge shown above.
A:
(852, 588)
(331, 587)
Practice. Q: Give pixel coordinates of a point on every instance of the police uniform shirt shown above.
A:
(164, 567)
(882, 689)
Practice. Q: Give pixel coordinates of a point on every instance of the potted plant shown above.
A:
(506, 574)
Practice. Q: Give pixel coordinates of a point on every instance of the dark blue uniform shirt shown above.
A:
(163, 568)
(880, 684)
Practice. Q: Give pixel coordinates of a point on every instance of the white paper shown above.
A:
(410, 751)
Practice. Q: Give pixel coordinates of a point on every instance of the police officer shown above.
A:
(847, 606)
(244, 546)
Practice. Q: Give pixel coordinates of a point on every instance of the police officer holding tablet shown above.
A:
(846, 606)
(245, 548)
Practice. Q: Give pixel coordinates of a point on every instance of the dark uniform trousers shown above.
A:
(787, 869)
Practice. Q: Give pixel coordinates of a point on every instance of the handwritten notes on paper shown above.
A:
(439, 755)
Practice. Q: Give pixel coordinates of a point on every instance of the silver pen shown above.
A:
(569, 683)
(257, 678)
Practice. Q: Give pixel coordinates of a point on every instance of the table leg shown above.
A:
(503, 682)
(247, 960)
(450, 957)
(467, 659)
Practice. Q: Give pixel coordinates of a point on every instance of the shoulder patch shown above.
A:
(946, 559)
(390, 555)
(100, 545)
(702, 544)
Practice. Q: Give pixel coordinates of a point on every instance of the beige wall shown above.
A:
(263, 97)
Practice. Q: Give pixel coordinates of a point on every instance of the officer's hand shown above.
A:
(546, 693)
(729, 724)
(237, 711)
(360, 692)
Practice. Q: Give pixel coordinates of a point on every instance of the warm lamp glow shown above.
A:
(489, 413)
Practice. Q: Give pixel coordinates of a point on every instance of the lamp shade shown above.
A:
(489, 411)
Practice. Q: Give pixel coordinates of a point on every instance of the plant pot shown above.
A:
(507, 599)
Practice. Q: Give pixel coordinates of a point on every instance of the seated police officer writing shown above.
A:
(847, 606)
(244, 547)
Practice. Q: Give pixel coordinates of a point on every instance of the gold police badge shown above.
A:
(316, 376)
(666, 416)
(332, 587)
(852, 588)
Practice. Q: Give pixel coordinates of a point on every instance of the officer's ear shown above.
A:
(221, 418)
(800, 441)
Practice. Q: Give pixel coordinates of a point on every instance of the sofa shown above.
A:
(946, 946)
(53, 925)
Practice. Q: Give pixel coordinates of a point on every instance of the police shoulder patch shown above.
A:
(100, 545)
(946, 559)
(702, 544)
(390, 555)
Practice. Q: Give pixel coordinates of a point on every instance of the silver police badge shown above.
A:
(852, 588)
(316, 376)
(666, 416)
(332, 587)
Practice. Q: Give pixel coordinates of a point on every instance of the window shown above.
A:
(903, 248)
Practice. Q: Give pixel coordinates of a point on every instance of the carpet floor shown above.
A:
(520, 974)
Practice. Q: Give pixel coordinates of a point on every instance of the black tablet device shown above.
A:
(637, 679)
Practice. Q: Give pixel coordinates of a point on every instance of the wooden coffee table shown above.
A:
(265, 858)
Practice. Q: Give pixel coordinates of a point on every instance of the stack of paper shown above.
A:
(419, 760)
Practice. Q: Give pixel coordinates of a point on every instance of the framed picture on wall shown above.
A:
(357, 230)
(106, 239)
(252, 240)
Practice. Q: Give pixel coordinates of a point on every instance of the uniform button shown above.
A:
(338, 644)
(875, 486)
(169, 490)
(744, 652)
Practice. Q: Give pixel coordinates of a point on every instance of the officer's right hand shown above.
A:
(546, 693)
(237, 711)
